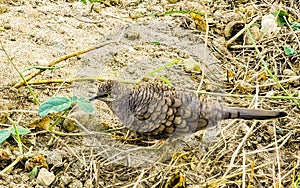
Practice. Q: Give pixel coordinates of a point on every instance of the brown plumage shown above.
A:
(159, 111)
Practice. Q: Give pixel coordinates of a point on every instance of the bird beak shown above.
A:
(99, 96)
(94, 98)
(105, 99)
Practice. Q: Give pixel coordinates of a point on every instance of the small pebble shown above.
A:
(45, 177)
(76, 184)
(88, 183)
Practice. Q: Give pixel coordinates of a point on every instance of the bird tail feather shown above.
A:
(251, 114)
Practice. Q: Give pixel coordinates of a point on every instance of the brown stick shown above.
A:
(33, 74)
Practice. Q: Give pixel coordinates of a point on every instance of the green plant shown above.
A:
(91, 1)
(283, 20)
(289, 51)
(10, 131)
(281, 16)
(21, 75)
(62, 104)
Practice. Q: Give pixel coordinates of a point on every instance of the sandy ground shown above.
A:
(257, 153)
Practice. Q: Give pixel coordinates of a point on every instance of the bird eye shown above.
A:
(105, 95)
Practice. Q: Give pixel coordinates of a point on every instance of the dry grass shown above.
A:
(246, 153)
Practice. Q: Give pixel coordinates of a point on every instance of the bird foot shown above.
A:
(156, 143)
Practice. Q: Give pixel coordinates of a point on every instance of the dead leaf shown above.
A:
(177, 180)
(41, 123)
(199, 21)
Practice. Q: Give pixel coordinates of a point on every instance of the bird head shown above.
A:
(104, 91)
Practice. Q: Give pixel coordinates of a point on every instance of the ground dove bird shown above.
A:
(160, 111)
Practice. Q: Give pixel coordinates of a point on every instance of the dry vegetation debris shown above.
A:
(246, 153)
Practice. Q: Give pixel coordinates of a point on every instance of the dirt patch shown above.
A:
(258, 153)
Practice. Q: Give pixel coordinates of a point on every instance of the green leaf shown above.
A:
(74, 98)
(156, 43)
(85, 105)
(55, 105)
(4, 134)
(83, 1)
(166, 80)
(297, 182)
(33, 172)
(282, 17)
(295, 26)
(21, 130)
(91, 1)
(289, 51)
(42, 68)
(177, 11)
(160, 68)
